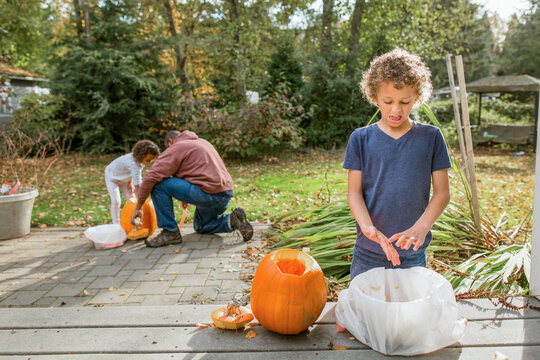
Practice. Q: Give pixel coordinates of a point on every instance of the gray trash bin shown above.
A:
(16, 213)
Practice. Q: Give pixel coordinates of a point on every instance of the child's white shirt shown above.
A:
(124, 167)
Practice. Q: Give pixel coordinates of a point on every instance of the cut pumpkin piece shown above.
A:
(138, 234)
(231, 317)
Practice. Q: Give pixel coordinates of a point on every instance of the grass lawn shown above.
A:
(73, 193)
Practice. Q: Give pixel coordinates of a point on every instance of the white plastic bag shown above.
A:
(401, 311)
(106, 236)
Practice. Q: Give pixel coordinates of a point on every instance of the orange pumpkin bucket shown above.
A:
(288, 291)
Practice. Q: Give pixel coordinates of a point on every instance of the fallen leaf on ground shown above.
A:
(124, 294)
(112, 288)
(176, 250)
(174, 272)
(41, 277)
(54, 277)
(339, 347)
(352, 338)
(202, 326)
(85, 293)
(251, 334)
(42, 226)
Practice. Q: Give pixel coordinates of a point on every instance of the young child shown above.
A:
(392, 165)
(124, 173)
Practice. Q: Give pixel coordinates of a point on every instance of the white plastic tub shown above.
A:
(16, 213)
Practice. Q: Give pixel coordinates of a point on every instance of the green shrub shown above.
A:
(502, 110)
(43, 122)
(110, 96)
(252, 131)
(509, 111)
(334, 104)
(443, 110)
(284, 69)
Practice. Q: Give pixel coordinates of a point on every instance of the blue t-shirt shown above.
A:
(396, 177)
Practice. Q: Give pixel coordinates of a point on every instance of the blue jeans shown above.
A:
(209, 217)
(364, 260)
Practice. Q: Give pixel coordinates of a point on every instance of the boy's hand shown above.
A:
(137, 213)
(375, 235)
(407, 238)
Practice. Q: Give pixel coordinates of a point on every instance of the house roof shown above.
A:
(13, 71)
(507, 83)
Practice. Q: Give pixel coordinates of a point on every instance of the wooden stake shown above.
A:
(468, 142)
(457, 117)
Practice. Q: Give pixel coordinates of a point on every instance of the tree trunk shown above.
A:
(78, 17)
(240, 84)
(356, 21)
(86, 21)
(326, 41)
(180, 58)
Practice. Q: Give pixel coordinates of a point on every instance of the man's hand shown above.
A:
(375, 235)
(137, 213)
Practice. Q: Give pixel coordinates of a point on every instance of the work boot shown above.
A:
(166, 237)
(239, 222)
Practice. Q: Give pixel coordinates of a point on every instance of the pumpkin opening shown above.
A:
(292, 262)
(291, 266)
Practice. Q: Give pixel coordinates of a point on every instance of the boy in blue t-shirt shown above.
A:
(392, 165)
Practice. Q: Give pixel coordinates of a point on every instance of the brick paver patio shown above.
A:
(60, 267)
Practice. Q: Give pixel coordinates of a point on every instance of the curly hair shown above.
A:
(400, 67)
(143, 148)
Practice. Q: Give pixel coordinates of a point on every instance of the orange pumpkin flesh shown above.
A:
(231, 317)
(288, 291)
(138, 234)
(149, 219)
(291, 266)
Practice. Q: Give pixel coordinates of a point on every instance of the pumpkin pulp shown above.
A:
(291, 266)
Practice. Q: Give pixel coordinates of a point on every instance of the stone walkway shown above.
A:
(61, 267)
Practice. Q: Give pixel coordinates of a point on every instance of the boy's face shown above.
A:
(147, 159)
(396, 104)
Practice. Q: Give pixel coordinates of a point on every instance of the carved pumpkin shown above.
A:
(288, 291)
(231, 317)
(149, 220)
